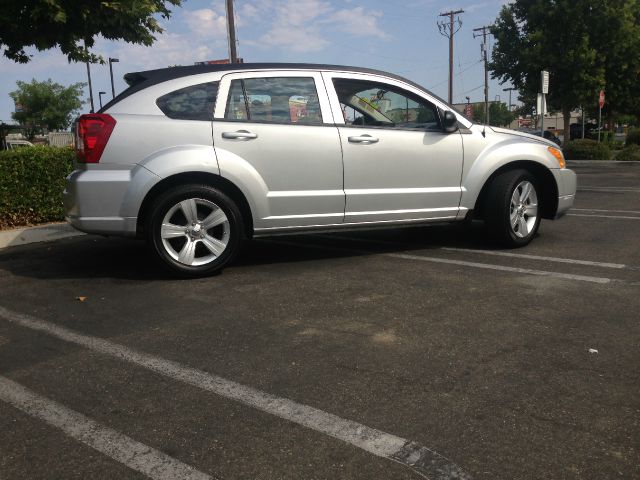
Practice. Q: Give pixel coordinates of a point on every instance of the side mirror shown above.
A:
(449, 122)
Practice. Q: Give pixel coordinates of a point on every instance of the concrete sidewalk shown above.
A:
(40, 233)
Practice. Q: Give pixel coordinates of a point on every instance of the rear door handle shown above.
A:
(363, 139)
(240, 134)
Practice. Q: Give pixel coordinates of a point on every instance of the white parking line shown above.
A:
(538, 257)
(608, 189)
(111, 443)
(605, 211)
(503, 268)
(419, 458)
(449, 261)
(619, 217)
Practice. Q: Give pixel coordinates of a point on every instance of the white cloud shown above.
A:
(301, 12)
(491, 4)
(249, 10)
(169, 49)
(359, 22)
(291, 38)
(307, 25)
(206, 23)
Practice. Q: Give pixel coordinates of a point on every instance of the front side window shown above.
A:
(373, 104)
(191, 103)
(289, 100)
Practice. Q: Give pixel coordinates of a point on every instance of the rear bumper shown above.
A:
(122, 226)
(106, 201)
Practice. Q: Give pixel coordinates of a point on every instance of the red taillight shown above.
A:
(92, 134)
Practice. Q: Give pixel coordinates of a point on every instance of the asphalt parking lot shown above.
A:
(397, 354)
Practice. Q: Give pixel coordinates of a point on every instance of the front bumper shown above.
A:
(567, 185)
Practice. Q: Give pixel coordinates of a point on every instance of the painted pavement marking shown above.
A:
(619, 217)
(422, 460)
(538, 257)
(135, 455)
(450, 261)
(602, 210)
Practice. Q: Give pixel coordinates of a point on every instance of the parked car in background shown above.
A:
(552, 136)
(195, 159)
(12, 144)
(575, 131)
(548, 134)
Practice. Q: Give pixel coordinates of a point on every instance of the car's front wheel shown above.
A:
(511, 211)
(194, 230)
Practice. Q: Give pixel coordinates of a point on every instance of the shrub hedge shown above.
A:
(585, 149)
(633, 136)
(629, 153)
(31, 184)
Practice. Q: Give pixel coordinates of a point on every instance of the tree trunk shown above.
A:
(610, 120)
(566, 116)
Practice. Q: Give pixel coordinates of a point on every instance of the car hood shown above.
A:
(506, 131)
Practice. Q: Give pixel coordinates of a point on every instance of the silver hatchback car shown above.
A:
(197, 158)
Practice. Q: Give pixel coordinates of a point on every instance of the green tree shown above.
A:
(46, 105)
(499, 114)
(72, 25)
(617, 33)
(535, 35)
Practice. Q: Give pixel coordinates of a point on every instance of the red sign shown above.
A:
(468, 111)
(601, 101)
(525, 122)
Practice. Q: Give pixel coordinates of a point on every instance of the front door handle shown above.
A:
(240, 134)
(363, 139)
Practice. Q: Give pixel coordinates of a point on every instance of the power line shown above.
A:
(449, 29)
(474, 63)
(473, 89)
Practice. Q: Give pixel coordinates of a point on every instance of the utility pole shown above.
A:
(86, 51)
(231, 29)
(448, 29)
(90, 88)
(485, 31)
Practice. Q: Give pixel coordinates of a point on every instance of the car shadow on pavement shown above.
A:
(126, 259)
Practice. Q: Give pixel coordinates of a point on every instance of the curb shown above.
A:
(40, 233)
(600, 162)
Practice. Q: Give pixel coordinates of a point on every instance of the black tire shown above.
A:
(498, 211)
(189, 249)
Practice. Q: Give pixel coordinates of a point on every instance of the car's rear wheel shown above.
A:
(194, 230)
(511, 209)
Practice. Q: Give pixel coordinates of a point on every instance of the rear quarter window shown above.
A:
(195, 102)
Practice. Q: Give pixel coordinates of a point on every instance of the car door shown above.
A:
(274, 134)
(399, 164)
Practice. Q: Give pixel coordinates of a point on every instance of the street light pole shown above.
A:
(111, 62)
(100, 97)
(510, 89)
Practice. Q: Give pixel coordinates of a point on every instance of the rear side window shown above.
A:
(191, 103)
(289, 100)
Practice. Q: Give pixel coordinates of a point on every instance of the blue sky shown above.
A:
(399, 37)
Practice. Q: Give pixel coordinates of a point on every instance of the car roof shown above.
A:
(140, 80)
(164, 74)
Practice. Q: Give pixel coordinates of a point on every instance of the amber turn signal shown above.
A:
(558, 154)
